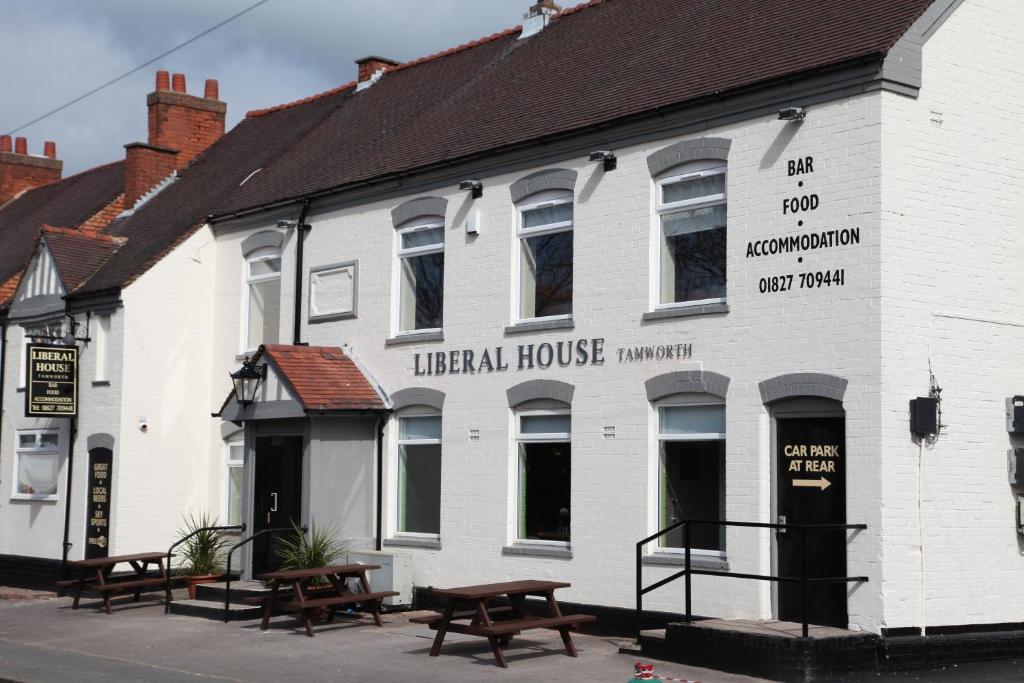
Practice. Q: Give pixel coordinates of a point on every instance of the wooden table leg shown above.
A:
(570, 648)
(140, 571)
(80, 588)
(375, 604)
(304, 612)
(496, 649)
(442, 628)
(101, 579)
(268, 607)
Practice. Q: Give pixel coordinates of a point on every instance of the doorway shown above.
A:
(811, 489)
(277, 496)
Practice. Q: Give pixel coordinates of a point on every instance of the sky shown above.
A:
(52, 51)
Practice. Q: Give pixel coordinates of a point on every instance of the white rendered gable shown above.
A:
(41, 289)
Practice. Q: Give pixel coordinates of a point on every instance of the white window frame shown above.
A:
(701, 169)
(229, 464)
(262, 254)
(659, 459)
(37, 450)
(101, 339)
(540, 200)
(521, 438)
(396, 480)
(418, 224)
(23, 375)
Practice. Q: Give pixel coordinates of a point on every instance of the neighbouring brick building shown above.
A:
(631, 263)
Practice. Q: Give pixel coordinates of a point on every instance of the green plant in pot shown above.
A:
(202, 555)
(317, 548)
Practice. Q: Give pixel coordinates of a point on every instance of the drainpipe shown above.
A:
(380, 481)
(300, 236)
(3, 369)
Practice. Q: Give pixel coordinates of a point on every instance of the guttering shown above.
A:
(654, 114)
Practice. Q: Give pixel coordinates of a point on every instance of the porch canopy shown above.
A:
(306, 380)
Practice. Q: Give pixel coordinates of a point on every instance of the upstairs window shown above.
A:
(263, 298)
(421, 275)
(691, 206)
(545, 231)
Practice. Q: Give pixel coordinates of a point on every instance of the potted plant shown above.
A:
(318, 548)
(203, 553)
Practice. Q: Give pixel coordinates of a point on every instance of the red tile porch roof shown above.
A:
(322, 377)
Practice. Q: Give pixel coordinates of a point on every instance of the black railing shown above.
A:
(689, 571)
(170, 551)
(244, 541)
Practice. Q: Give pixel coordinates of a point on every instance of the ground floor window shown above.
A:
(692, 473)
(37, 464)
(236, 483)
(419, 475)
(545, 469)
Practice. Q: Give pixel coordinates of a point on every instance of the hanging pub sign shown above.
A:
(97, 533)
(51, 388)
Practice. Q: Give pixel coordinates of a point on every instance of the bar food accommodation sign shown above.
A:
(51, 388)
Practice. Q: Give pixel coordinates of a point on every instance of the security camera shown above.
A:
(286, 225)
(474, 186)
(792, 114)
(143, 425)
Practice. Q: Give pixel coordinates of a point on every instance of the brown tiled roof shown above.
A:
(322, 377)
(593, 65)
(69, 202)
(180, 208)
(78, 254)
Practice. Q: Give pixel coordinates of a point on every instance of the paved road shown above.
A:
(44, 641)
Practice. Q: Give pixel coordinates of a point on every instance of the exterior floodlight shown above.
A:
(611, 162)
(247, 381)
(792, 114)
(474, 186)
(286, 224)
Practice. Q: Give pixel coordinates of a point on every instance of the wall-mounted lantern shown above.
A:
(247, 381)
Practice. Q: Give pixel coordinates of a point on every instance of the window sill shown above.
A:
(679, 560)
(34, 499)
(539, 325)
(415, 338)
(686, 311)
(101, 383)
(331, 317)
(537, 550)
(409, 542)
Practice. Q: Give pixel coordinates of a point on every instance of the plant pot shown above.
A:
(193, 581)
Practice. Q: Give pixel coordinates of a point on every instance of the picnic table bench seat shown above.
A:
(514, 626)
(116, 585)
(435, 617)
(334, 600)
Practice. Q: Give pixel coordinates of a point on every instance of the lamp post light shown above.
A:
(247, 382)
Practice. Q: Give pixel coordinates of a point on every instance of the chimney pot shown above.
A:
(212, 89)
(178, 83)
(50, 149)
(5, 143)
(163, 80)
(20, 146)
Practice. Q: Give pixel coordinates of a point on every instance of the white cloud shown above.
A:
(55, 50)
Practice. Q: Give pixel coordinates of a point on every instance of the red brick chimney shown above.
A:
(181, 127)
(20, 171)
(368, 66)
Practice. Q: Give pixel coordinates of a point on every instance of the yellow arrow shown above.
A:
(821, 483)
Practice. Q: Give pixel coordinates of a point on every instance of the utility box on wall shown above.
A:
(1015, 415)
(924, 415)
(1016, 466)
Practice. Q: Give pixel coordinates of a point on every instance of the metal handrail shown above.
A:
(227, 585)
(688, 571)
(167, 581)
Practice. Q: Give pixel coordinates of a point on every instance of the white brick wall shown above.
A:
(830, 330)
(952, 221)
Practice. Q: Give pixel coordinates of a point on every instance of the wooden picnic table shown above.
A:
(336, 593)
(104, 584)
(512, 619)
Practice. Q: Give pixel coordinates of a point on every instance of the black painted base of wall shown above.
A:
(37, 573)
(817, 659)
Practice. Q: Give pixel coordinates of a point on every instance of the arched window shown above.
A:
(545, 274)
(421, 274)
(691, 206)
(263, 296)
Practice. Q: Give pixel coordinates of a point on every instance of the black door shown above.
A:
(812, 490)
(277, 498)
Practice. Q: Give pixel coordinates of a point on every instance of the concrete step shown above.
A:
(211, 609)
(240, 591)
